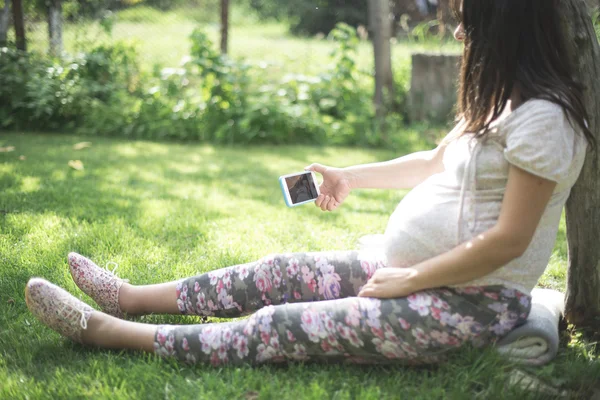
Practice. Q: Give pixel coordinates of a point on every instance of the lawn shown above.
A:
(162, 38)
(166, 211)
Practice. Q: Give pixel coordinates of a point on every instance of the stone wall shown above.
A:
(432, 95)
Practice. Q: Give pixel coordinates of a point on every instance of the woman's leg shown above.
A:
(242, 289)
(418, 329)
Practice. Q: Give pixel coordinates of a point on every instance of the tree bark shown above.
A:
(4, 21)
(583, 207)
(19, 23)
(381, 27)
(55, 23)
(224, 25)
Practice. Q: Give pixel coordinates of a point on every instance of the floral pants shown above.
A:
(305, 308)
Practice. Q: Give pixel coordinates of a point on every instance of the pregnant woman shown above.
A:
(458, 259)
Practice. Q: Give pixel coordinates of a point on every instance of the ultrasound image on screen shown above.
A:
(302, 188)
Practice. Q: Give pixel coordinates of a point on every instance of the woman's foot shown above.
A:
(100, 284)
(57, 308)
(76, 320)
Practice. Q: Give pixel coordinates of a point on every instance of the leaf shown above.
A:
(76, 165)
(82, 145)
(7, 149)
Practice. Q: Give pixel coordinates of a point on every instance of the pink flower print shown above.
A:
(439, 303)
(178, 288)
(227, 280)
(354, 339)
(491, 295)
(222, 352)
(210, 338)
(277, 276)
(436, 313)
(421, 338)
(265, 353)
(404, 324)
(524, 300)
(409, 350)
(226, 300)
(201, 301)
(321, 262)
(297, 295)
(266, 302)
(470, 290)
(353, 316)
(332, 339)
(292, 268)
(389, 333)
(250, 325)
(170, 343)
(330, 324)
(181, 305)
(214, 277)
(388, 349)
(264, 336)
(274, 342)
(184, 345)
(510, 293)
(329, 285)
(243, 271)
(196, 287)
(308, 278)
(467, 326)
(240, 344)
(344, 331)
(368, 268)
(214, 359)
(161, 335)
(312, 325)
(227, 335)
(378, 332)
(299, 352)
(262, 278)
(290, 336)
(326, 347)
(372, 307)
(440, 337)
(420, 302)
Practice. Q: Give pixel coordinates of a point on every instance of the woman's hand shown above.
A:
(387, 283)
(335, 188)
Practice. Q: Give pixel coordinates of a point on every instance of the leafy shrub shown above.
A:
(210, 97)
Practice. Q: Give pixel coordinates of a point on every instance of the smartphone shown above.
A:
(299, 188)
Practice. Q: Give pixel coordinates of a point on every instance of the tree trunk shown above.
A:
(19, 23)
(381, 27)
(55, 27)
(583, 207)
(224, 25)
(4, 21)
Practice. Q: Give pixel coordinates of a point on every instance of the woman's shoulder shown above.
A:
(535, 111)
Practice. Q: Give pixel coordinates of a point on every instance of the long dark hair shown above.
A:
(514, 43)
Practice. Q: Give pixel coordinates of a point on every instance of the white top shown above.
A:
(452, 207)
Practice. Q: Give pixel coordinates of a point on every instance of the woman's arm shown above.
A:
(402, 173)
(525, 200)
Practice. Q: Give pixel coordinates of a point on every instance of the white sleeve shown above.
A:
(540, 140)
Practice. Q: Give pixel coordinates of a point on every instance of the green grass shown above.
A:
(163, 38)
(166, 211)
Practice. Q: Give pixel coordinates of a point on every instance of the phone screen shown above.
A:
(301, 188)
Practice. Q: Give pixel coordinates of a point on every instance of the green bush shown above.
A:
(210, 97)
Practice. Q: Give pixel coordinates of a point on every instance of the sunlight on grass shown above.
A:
(166, 211)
